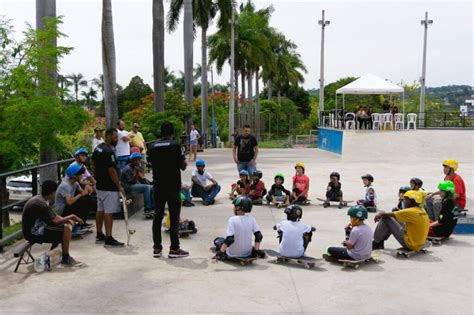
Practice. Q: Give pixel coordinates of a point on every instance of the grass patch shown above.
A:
(274, 144)
(10, 230)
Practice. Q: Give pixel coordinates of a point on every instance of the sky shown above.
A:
(381, 37)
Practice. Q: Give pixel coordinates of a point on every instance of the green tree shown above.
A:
(131, 96)
(78, 82)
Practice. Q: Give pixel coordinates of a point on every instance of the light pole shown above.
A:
(425, 23)
(213, 122)
(231, 105)
(323, 24)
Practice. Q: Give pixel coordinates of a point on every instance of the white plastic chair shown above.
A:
(411, 119)
(376, 121)
(349, 118)
(387, 120)
(398, 119)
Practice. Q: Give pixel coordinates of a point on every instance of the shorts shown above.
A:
(108, 201)
(193, 142)
(51, 235)
(334, 195)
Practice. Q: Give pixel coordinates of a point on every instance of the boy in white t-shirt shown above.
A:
(201, 188)
(369, 200)
(241, 229)
(294, 235)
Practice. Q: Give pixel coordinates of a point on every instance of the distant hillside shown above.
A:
(452, 95)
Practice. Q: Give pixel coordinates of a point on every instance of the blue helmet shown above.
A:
(81, 151)
(200, 163)
(244, 172)
(135, 155)
(74, 169)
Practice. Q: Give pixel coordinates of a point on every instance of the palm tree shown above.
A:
(108, 65)
(158, 38)
(99, 84)
(90, 97)
(78, 82)
(64, 84)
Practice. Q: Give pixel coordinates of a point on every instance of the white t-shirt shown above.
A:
(292, 241)
(96, 142)
(242, 228)
(123, 147)
(202, 178)
(361, 238)
(366, 193)
(193, 135)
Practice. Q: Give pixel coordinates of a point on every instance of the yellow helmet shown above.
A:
(451, 164)
(415, 195)
(299, 164)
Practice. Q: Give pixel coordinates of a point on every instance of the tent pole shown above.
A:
(403, 104)
(335, 112)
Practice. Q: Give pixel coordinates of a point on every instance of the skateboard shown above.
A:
(184, 233)
(129, 231)
(79, 235)
(304, 203)
(356, 263)
(407, 253)
(48, 260)
(437, 240)
(149, 215)
(243, 261)
(344, 202)
(306, 261)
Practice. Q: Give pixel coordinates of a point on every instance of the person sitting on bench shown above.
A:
(87, 179)
(71, 198)
(201, 188)
(41, 225)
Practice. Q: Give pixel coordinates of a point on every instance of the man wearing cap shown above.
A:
(98, 139)
(87, 181)
(138, 141)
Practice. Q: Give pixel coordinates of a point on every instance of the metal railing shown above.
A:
(33, 170)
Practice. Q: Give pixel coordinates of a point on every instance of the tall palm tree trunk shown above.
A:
(108, 65)
(204, 104)
(47, 8)
(249, 96)
(257, 106)
(242, 93)
(158, 38)
(270, 89)
(188, 58)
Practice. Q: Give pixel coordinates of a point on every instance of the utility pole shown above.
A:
(425, 23)
(323, 24)
(213, 123)
(231, 105)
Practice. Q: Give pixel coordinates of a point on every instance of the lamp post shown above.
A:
(425, 23)
(323, 24)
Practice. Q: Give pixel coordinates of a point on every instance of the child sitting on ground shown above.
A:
(370, 197)
(242, 187)
(240, 227)
(401, 202)
(333, 191)
(358, 243)
(186, 199)
(257, 188)
(444, 226)
(278, 195)
(300, 186)
(294, 236)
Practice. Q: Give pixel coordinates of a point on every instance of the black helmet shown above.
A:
(418, 182)
(335, 174)
(245, 203)
(257, 173)
(368, 176)
(404, 189)
(294, 213)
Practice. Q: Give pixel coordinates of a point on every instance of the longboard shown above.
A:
(407, 253)
(243, 261)
(48, 260)
(437, 240)
(306, 261)
(129, 231)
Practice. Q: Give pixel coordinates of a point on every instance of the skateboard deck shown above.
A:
(149, 215)
(48, 260)
(407, 253)
(306, 261)
(128, 230)
(435, 240)
(345, 203)
(80, 234)
(243, 261)
(355, 263)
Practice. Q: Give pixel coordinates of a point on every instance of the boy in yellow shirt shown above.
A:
(409, 226)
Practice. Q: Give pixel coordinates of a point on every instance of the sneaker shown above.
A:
(157, 251)
(341, 205)
(71, 262)
(100, 238)
(328, 257)
(112, 242)
(205, 202)
(177, 253)
(326, 204)
(377, 245)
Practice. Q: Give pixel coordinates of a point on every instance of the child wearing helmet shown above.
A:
(257, 188)
(370, 197)
(333, 191)
(358, 244)
(444, 226)
(294, 235)
(186, 199)
(300, 190)
(278, 195)
(409, 226)
(401, 192)
(241, 229)
(241, 187)
(201, 188)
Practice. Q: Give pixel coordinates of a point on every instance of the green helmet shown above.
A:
(359, 212)
(244, 202)
(182, 197)
(447, 186)
(281, 176)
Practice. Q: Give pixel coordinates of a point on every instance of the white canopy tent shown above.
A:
(370, 84)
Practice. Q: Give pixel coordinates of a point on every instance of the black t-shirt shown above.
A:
(333, 186)
(245, 147)
(446, 218)
(166, 159)
(279, 190)
(104, 157)
(35, 208)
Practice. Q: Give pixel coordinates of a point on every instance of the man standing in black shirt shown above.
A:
(108, 187)
(167, 162)
(245, 151)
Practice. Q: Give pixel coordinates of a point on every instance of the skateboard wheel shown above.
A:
(356, 266)
(242, 263)
(307, 266)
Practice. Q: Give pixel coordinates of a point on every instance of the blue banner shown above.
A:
(330, 140)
